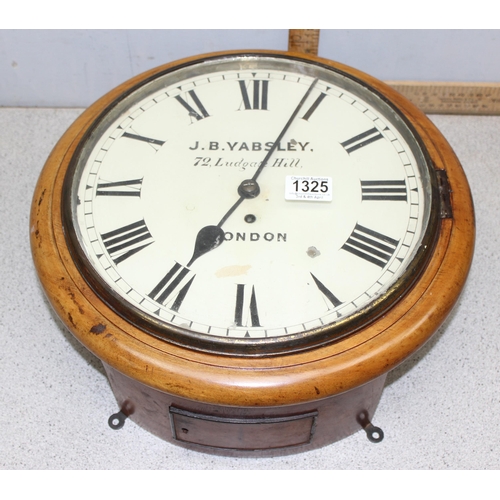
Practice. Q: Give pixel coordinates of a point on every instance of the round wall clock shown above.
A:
(250, 241)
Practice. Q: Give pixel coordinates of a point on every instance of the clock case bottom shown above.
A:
(246, 431)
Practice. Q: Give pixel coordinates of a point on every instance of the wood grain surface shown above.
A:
(235, 381)
(303, 41)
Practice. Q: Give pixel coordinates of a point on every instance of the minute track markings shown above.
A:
(326, 292)
(259, 95)
(240, 301)
(125, 241)
(181, 295)
(362, 140)
(383, 190)
(191, 111)
(370, 245)
(131, 187)
(169, 283)
(143, 138)
(314, 105)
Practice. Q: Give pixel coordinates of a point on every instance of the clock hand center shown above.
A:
(210, 237)
(249, 189)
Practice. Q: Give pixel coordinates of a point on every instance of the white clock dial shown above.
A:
(332, 225)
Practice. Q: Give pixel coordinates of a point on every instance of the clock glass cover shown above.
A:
(250, 204)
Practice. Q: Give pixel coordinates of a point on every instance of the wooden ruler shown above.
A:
(457, 98)
(305, 41)
(431, 97)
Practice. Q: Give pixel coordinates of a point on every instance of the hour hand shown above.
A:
(208, 238)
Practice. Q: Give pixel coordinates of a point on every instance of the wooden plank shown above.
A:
(458, 98)
(304, 41)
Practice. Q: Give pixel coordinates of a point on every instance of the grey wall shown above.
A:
(72, 68)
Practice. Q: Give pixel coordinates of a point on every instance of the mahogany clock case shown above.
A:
(235, 386)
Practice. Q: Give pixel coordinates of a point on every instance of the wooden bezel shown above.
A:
(257, 381)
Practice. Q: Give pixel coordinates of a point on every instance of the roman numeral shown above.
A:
(259, 94)
(370, 245)
(240, 301)
(170, 283)
(327, 293)
(142, 138)
(126, 241)
(314, 106)
(120, 188)
(383, 191)
(361, 140)
(201, 113)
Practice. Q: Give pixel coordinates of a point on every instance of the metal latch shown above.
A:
(444, 189)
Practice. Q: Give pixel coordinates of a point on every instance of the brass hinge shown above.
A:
(444, 194)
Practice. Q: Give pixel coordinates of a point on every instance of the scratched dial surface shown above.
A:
(342, 214)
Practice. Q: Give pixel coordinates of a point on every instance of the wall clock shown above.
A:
(250, 241)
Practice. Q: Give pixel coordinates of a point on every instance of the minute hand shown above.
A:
(249, 187)
(283, 132)
(210, 237)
